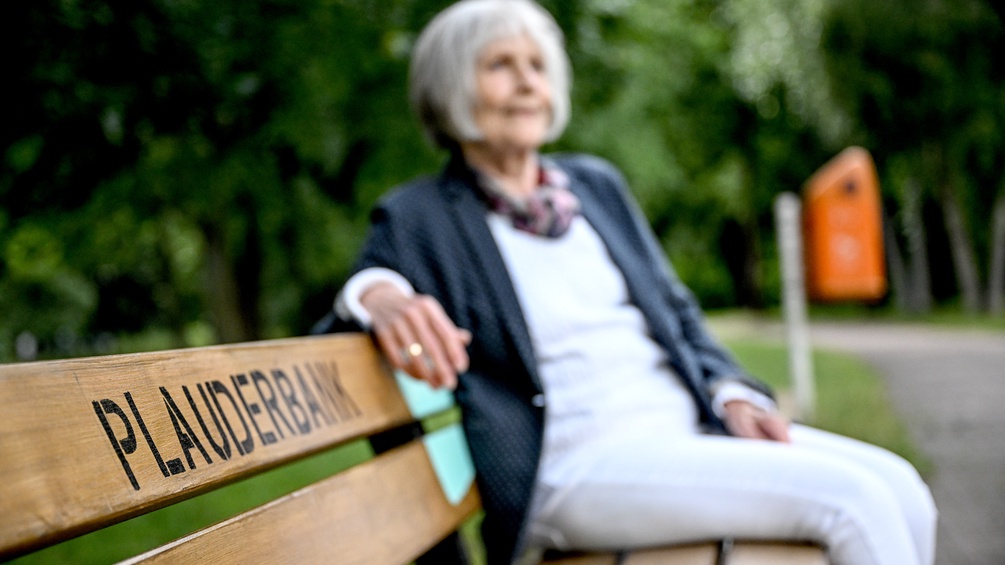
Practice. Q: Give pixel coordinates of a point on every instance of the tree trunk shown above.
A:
(996, 269)
(961, 248)
(919, 284)
(740, 246)
(896, 269)
(170, 302)
(751, 285)
(752, 276)
(231, 288)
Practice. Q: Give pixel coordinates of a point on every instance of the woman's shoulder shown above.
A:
(431, 189)
(414, 193)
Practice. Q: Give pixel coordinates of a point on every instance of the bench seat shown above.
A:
(719, 553)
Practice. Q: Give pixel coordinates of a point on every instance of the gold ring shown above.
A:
(415, 349)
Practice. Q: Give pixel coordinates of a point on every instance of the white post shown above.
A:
(788, 210)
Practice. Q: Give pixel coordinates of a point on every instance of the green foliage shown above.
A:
(182, 166)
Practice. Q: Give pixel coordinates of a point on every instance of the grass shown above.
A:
(851, 401)
(944, 315)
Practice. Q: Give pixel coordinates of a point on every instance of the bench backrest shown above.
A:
(86, 443)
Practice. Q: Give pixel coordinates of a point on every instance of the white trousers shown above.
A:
(864, 504)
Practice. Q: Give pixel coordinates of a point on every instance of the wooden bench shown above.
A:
(88, 443)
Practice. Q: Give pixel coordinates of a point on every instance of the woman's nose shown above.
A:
(526, 76)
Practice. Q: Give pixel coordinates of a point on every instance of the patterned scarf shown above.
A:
(548, 212)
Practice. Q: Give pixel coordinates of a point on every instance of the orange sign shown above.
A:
(843, 230)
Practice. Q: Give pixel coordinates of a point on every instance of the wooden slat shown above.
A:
(698, 554)
(690, 554)
(79, 437)
(583, 559)
(757, 553)
(740, 553)
(387, 511)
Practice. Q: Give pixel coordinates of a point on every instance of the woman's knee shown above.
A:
(902, 478)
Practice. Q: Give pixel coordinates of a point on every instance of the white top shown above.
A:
(603, 376)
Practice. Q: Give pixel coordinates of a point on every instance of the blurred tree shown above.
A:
(925, 85)
(201, 169)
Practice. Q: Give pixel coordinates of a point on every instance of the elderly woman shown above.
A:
(599, 412)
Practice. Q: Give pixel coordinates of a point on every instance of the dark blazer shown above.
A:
(433, 231)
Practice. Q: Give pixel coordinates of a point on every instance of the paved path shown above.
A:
(949, 387)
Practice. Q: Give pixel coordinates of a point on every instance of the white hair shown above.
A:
(442, 85)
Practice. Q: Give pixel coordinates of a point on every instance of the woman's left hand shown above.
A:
(743, 419)
(416, 335)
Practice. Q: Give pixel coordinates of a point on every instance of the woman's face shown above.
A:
(513, 97)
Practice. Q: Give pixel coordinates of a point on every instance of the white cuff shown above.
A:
(735, 390)
(347, 305)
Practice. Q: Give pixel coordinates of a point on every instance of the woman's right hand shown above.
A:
(416, 335)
